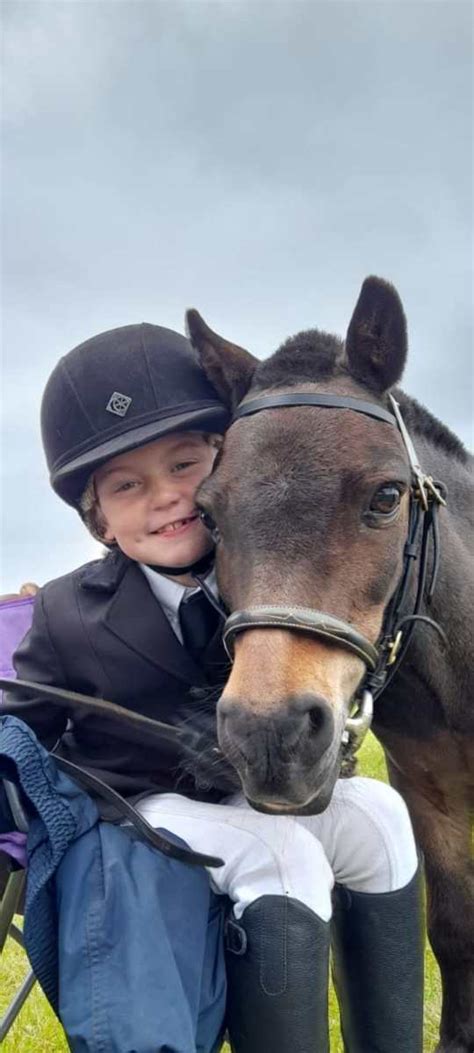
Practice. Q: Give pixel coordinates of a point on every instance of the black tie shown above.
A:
(199, 621)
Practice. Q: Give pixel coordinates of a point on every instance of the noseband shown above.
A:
(305, 620)
(384, 658)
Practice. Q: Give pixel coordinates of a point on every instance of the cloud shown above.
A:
(55, 58)
(255, 160)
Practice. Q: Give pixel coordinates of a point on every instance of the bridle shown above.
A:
(383, 659)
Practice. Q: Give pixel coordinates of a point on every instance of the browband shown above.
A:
(370, 409)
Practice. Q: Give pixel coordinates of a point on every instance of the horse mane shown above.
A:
(315, 355)
(420, 421)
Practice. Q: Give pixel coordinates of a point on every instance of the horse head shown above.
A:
(311, 506)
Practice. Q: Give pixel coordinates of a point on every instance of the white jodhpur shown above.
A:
(363, 840)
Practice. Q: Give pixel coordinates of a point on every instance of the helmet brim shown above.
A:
(70, 480)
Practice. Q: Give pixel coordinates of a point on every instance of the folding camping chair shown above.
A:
(15, 620)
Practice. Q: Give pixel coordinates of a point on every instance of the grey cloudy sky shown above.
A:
(254, 159)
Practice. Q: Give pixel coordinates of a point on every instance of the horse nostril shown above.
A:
(317, 718)
(306, 720)
(321, 720)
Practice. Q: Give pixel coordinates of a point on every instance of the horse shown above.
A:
(329, 536)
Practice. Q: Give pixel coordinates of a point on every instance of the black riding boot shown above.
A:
(378, 946)
(277, 974)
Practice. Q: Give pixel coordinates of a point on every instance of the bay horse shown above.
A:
(329, 535)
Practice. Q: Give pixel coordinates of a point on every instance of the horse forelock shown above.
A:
(308, 356)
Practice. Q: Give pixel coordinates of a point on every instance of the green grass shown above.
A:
(37, 1030)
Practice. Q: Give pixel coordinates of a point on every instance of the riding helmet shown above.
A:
(119, 390)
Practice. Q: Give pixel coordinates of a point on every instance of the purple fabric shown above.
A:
(14, 845)
(15, 620)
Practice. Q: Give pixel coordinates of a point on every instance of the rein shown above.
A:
(154, 729)
(382, 660)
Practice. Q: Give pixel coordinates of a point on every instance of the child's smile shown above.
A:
(146, 497)
(178, 526)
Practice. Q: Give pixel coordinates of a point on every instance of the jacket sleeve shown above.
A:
(36, 659)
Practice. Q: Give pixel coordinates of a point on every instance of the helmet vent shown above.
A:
(118, 404)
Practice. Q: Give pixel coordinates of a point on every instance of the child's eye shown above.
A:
(123, 487)
(182, 465)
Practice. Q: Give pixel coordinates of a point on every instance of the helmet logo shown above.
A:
(118, 404)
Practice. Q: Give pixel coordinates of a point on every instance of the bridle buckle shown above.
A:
(394, 648)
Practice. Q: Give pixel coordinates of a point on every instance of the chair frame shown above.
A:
(9, 904)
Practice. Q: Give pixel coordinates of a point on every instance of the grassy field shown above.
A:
(38, 1031)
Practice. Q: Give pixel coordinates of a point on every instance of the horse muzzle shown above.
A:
(285, 759)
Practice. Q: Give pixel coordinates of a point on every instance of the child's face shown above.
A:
(146, 498)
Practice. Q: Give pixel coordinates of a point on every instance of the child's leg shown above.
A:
(263, 854)
(377, 926)
(278, 877)
(367, 836)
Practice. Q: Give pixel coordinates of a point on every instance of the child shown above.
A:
(131, 428)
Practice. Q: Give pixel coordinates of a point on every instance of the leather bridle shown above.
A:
(384, 658)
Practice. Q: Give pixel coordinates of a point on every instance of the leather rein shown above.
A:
(73, 702)
(383, 659)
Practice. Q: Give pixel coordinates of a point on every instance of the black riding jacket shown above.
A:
(100, 631)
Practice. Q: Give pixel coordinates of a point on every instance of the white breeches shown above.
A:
(363, 840)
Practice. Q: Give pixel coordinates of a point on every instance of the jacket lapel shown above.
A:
(136, 618)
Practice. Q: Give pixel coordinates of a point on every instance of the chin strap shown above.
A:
(200, 566)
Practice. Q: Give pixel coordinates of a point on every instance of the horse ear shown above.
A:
(229, 368)
(376, 342)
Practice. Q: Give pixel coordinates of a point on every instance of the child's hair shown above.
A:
(91, 512)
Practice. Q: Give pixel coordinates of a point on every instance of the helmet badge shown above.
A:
(118, 404)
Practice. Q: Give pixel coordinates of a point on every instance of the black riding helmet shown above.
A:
(119, 390)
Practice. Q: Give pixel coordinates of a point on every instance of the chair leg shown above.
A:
(16, 1004)
(9, 902)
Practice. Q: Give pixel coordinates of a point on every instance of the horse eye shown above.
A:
(385, 500)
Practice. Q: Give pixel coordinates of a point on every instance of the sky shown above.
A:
(255, 160)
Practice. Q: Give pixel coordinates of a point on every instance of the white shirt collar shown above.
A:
(170, 593)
